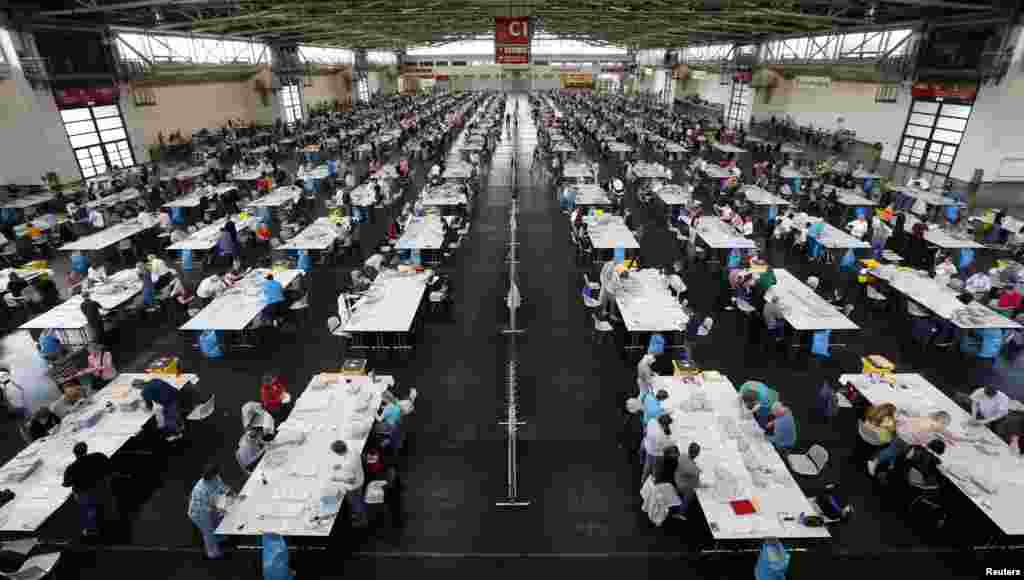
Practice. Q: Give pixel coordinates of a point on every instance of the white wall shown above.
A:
(708, 89)
(32, 136)
(821, 107)
(994, 139)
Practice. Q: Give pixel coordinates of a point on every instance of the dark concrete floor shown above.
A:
(583, 487)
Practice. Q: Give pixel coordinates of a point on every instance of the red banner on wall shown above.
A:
(965, 92)
(512, 54)
(512, 30)
(96, 96)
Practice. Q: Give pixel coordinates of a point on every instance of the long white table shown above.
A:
(672, 194)
(758, 196)
(803, 308)
(40, 494)
(390, 305)
(192, 199)
(645, 170)
(940, 237)
(107, 237)
(280, 196)
(608, 232)
(206, 238)
(319, 235)
(728, 148)
(577, 170)
(283, 494)
(834, 238)
(940, 299)
(733, 447)
(999, 468)
(28, 201)
(446, 194)
(236, 308)
(647, 306)
(422, 233)
(720, 235)
(851, 198)
(125, 196)
(119, 289)
(591, 194)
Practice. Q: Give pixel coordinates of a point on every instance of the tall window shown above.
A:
(98, 138)
(292, 103)
(364, 90)
(739, 105)
(932, 137)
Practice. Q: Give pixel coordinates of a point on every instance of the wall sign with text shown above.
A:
(512, 30)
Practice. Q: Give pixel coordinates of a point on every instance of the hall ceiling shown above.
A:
(393, 24)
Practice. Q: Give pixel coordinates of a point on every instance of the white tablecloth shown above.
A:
(319, 172)
(758, 196)
(111, 200)
(192, 199)
(422, 233)
(446, 194)
(575, 170)
(41, 493)
(27, 201)
(391, 303)
(119, 289)
(283, 493)
(720, 235)
(804, 309)
(733, 447)
(717, 172)
(673, 194)
(108, 237)
(940, 299)
(278, 197)
(591, 194)
(645, 170)
(647, 306)
(728, 148)
(236, 308)
(206, 238)
(834, 238)
(964, 457)
(853, 199)
(609, 232)
(319, 235)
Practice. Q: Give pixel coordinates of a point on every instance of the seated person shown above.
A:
(50, 346)
(759, 399)
(360, 282)
(250, 449)
(211, 287)
(882, 420)
(989, 406)
(782, 427)
(74, 394)
(255, 416)
(41, 423)
(910, 431)
(923, 464)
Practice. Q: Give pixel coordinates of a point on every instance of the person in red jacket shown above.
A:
(274, 395)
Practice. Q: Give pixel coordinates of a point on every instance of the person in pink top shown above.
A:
(911, 431)
(99, 368)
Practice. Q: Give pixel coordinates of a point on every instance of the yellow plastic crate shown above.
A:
(877, 364)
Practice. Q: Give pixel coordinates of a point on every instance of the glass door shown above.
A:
(932, 137)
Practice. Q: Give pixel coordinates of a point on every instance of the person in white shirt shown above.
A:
(211, 287)
(97, 273)
(250, 449)
(348, 471)
(657, 438)
(727, 214)
(858, 228)
(988, 405)
(784, 226)
(147, 219)
(96, 219)
(978, 284)
(945, 271)
(254, 415)
(645, 373)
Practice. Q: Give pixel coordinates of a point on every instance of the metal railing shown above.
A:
(512, 420)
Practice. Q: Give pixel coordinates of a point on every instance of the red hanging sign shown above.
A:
(966, 92)
(512, 30)
(512, 54)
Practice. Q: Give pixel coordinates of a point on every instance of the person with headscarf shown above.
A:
(227, 243)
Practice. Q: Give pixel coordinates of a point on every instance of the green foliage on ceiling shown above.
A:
(197, 73)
